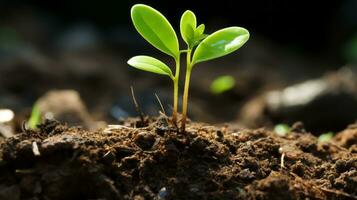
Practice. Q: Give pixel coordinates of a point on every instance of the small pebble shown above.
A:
(6, 115)
(145, 140)
(163, 193)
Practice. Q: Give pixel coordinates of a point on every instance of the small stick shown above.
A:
(35, 150)
(162, 107)
(106, 154)
(24, 126)
(137, 107)
(337, 192)
(282, 160)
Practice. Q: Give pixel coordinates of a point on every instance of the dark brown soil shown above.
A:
(155, 162)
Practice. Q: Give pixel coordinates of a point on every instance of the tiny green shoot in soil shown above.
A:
(157, 30)
(325, 137)
(35, 117)
(282, 129)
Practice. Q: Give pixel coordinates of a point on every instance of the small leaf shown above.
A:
(35, 118)
(282, 129)
(199, 35)
(155, 28)
(220, 43)
(150, 64)
(203, 36)
(325, 137)
(222, 84)
(188, 27)
(199, 30)
(199, 39)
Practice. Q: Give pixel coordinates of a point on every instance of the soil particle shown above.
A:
(145, 140)
(206, 162)
(10, 192)
(348, 138)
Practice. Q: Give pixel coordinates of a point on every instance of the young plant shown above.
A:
(325, 137)
(35, 118)
(282, 129)
(156, 29)
(217, 44)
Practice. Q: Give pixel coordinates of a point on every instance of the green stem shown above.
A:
(176, 88)
(185, 93)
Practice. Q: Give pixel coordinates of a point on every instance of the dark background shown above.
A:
(318, 28)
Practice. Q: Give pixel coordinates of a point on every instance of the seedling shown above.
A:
(35, 118)
(222, 84)
(282, 129)
(325, 137)
(156, 29)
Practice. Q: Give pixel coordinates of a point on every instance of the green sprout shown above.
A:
(35, 117)
(282, 129)
(325, 137)
(222, 84)
(156, 29)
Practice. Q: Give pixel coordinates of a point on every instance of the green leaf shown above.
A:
(282, 129)
(222, 84)
(199, 39)
(199, 30)
(325, 137)
(155, 28)
(188, 27)
(150, 64)
(35, 117)
(220, 43)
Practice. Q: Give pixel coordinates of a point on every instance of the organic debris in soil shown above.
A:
(156, 162)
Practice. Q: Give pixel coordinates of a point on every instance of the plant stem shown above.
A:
(185, 93)
(176, 88)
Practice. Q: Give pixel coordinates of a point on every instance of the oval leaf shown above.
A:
(199, 30)
(220, 43)
(150, 64)
(155, 28)
(188, 26)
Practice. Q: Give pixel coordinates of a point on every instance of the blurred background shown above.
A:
(69, 57)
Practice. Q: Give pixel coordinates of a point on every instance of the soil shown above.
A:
(150, 160)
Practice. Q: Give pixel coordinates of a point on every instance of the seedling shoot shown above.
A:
(200, 47)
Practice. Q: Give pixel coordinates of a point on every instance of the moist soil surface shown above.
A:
(152, 160)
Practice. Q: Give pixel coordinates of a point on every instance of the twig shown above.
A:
(282, 160)
(35, 150)
(337, 192)
(162, 107)
(137, 107)
(24, 126)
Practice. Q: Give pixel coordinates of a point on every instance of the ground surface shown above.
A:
(154, 162)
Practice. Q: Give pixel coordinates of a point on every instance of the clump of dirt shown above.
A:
(156, 162)
(348, 138)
